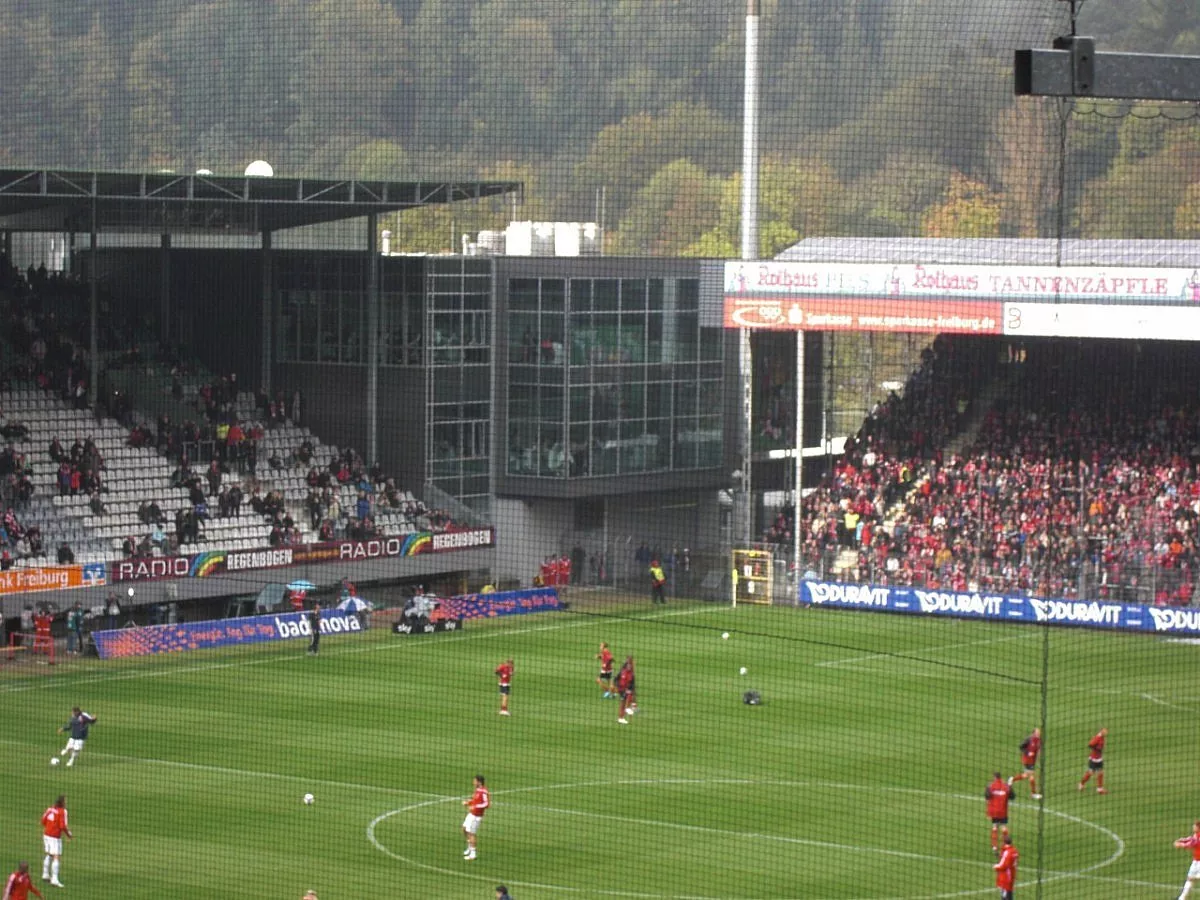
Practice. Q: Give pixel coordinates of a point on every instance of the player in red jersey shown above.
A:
(1192, 841)
(626, 691)
(1006, 869)
(476, 807)
(54, 828)
(19, 884)
(1095, 762)
(504, 672)
(998, 793)
(604, 679)
(1030, 748)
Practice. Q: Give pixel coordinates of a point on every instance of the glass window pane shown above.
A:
(581, 294)
(687, 294)
(554, 295)
(604, 295)
(633, 294)
(523, 337)
(522, 293)
(580, 404)
(654, 336)
(687, 327)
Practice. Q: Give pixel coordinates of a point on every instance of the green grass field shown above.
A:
(861, 775)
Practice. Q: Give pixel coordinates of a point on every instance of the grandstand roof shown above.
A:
(995, 251)
(166, 203)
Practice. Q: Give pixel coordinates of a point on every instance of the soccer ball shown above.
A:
(54, 760)
(308, 799)
(742, 670)
(725, 636)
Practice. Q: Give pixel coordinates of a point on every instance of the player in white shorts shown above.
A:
(1192, 842)
(77, 726)
(476, 807)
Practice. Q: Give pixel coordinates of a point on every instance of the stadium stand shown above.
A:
(998, 470)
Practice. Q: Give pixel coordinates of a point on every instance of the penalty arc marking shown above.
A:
(1118, 851)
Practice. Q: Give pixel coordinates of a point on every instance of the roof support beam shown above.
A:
(1075, 69)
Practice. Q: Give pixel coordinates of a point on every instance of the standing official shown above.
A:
(658, 582)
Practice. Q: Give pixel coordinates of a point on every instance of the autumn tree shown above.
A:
(1024, 157)
(970, 210)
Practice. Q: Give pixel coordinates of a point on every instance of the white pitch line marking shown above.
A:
(1052, 876)
(154, 672)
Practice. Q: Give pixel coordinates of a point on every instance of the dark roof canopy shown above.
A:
(165, 203)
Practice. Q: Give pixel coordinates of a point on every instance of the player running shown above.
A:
(19, 884)
(78, 726)
(1193, 875)
(504, 672)
(476, 807)
(54, 827)
(1006, 869)
(604, 679)
(998, 793)
(1095, 762)
(626, 691)
(1030, 748)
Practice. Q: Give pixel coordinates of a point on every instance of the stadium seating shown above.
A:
(1076, 476)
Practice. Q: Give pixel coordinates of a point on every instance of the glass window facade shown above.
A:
(611, 376)
(459, 326)
(321, 302)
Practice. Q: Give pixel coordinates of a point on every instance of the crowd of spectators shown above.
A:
(1082, 479)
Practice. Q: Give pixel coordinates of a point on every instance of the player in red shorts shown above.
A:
(19, 884)
(504, 672)
(998, 793)
(1192, 842)
(604, 679)
(1030, 748)
(1006, 869)
(626, 691)
(1095, 762)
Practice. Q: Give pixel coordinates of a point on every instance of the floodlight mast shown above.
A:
(744, 506)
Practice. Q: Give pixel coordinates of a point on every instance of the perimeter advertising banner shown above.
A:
(218, 562)
(995, 607)
(1031, 301)
(51, 578)
(503, 603)
(153, 639)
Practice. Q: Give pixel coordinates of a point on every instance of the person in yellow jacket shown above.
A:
(658, 583)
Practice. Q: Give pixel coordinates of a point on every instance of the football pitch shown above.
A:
(861, 775)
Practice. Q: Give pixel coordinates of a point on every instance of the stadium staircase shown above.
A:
(847, 558)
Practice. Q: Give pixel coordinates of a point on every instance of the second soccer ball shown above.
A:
(742, 670)
(308, 799)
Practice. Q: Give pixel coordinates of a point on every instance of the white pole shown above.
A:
(749, 251)
(798, 481)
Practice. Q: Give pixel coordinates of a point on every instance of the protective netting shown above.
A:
(406, 332)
